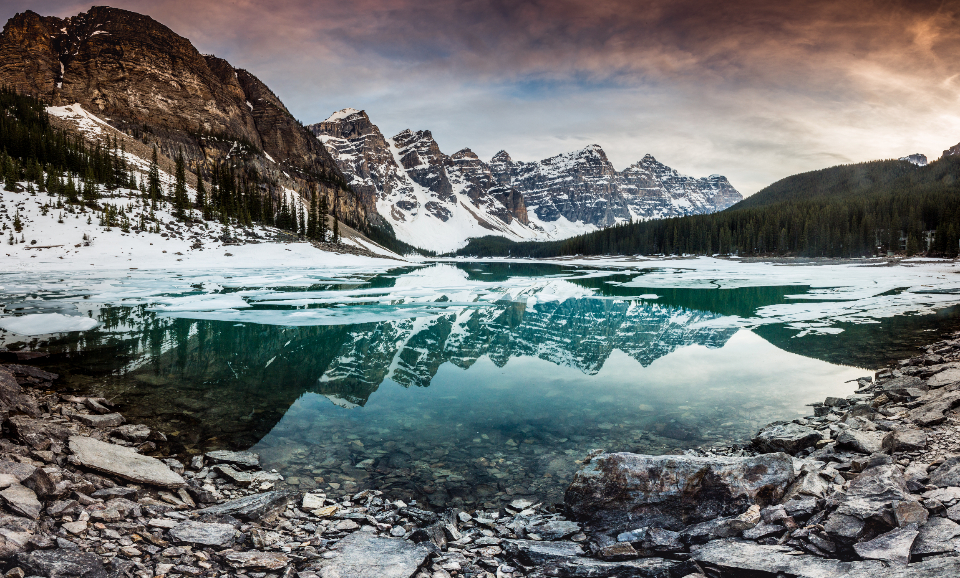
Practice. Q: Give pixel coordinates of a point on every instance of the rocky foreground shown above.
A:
(869, 486)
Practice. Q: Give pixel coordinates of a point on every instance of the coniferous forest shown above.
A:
(856, 210)
(79, 174)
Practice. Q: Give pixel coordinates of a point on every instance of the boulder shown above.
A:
(12, 398)
(937, 536)
(248, 460)
(945, 377)
(738, 558)
(947, 474)
(136, 433)
(904, 440)
(933, 407)
(899, 384)
(785, 437)
(62, 564)
(893, 546)
(555, 529)
(208, 534)
(123, 462)
(864, 442)
(622, 491)
(361, 555)
(264, 506)
(870, 496)
(36, 433)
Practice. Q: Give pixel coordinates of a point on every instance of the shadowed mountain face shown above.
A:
(144, 79)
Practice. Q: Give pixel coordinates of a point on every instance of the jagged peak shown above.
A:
(464, 153)
(501, 157)
(343, 114)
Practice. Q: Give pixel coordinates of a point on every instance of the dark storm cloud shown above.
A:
(754, 90)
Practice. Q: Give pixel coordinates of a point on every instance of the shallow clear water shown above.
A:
(467, 384)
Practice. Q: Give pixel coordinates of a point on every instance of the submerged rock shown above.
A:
(240, 459)
(123, 462)
(622, 491)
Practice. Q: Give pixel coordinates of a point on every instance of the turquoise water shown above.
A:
(451, 385)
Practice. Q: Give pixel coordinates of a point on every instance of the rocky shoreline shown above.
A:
(867, 486)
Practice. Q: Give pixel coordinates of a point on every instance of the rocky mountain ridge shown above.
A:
(412, 184)
(154, 85)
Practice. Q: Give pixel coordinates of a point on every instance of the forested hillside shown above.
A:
(845, 211)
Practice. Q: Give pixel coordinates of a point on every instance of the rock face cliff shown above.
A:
(147, 81)
(438, 201)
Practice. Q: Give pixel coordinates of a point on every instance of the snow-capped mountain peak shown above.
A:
(438, 201)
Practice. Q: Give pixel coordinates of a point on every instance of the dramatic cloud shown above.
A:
(755, 90)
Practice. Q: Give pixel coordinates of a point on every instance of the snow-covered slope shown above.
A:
(438, 201)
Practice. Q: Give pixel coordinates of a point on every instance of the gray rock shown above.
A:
(945, 377)
(95, 420)
(17, 470)
(203, 533)
(133, 432)
(938, 535)
(736, 558)
(555, 529)
(264, 506)
(536, 553)
(588, 568)
(763, 530)
(240, 459)
(123, 462)
(713, 529)
(906, 440)
(865, 442)
(947, 473)
(909, 512)
(361, 555)
(660, 541)
(897, 385)
(22, 500)
(785, 437)
(893, 546)
(257, 559)
(622, 491)
(62, 564)
(871, 496)
(239, 478)
(934, 405)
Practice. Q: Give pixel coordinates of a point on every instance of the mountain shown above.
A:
(439, 201)
(154, 85)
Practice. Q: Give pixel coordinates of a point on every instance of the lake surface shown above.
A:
(473, 383)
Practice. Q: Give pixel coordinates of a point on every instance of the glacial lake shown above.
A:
(474, 383)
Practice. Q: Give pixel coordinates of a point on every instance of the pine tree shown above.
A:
(312, 216)
(302, 230)
(180, 199)
(153, 184)
(323, 226)
(201, 197)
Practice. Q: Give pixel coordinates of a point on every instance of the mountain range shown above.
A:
(432, 199)
(154, 86)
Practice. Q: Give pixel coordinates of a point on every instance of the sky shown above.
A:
(751, 89)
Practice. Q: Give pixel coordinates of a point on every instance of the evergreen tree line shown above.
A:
(917, 211)
(66, 165)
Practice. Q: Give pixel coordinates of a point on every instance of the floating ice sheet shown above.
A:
(45, 323)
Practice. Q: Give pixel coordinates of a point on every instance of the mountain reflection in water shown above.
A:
(464, 403)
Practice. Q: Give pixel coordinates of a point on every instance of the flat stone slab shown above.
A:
(537, 553)
(264, 560)
(123, 462)
(104, 420)
(241, 459)
(253, 508)
(22, 500)
(207, 534)
(361, 555)
(62, 564)
(739, 557)
(945, 377)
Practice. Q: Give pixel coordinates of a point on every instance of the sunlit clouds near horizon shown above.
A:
(753, 90)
